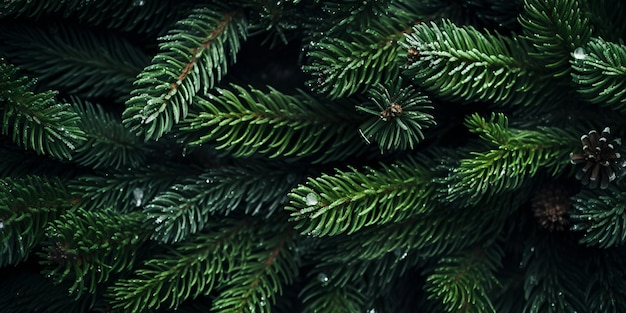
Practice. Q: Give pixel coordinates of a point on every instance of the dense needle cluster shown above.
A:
(601, 159)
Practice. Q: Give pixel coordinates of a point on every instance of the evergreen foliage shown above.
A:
(312, 156)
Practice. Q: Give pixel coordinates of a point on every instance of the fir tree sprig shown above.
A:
(36, 121)
(606, 290)
(513, 156)
(193, 57)
(329, 299)
(190, 269)
(600, 73)
(87, 248)
(247, 121)
(24, 290)
(341, 67)
(464, 65)
(126, 189)
(109, 144)
(463, 282)
(79, 61)
(187, 207)
(555, 28)
(600, 215)
(350, 200)
(26, 206)
(254, 284)
(549, 284)
(138, 15)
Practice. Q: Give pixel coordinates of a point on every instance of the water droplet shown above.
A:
(579, 53)
(371, 310)
(1, 224)
(323, 278)
(311, 199)
(139, 3)
(532, 249)
(159, 220)
(208, 181)
(401, 254)
(532, 280)
(138, 195)
(262, 302)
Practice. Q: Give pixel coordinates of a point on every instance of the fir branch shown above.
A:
(348, 201)
(255, 283)
(463, 65)
(400, 117)
(341, 67)
(109, 144)
(600, 73)
(555, 28)
(125, 190)
(193, 56)
(604, 15)
(186, 208)
(606, 290)
(86, 248)
(600, 215)
(26, 206)
(329, 299)
(246, 122)
(463, 282)
(189, 270)
(514, 157)
(76, 61)
(133, 16)
(35, 120)
(26, 291)
(550, 285)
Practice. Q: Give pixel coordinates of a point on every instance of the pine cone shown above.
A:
(550, 206)
(601, 160)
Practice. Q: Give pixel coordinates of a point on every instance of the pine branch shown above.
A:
(552, 282)
(137, 15)
(600, 214)
(256, 282)
(463, 282)
(86, 248)
(606, 290)
(555, 28)
(514, 157)
(463, 65)
(347, 201)
(187, 207)
(600, 73)
(192, 57)
(189, 270)
(35, 120)
(341, 67)
(77, 61)
(125, 190)
(331, 299)
(26, 206)
(247, 122)
(109, 144)
(26, 291)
